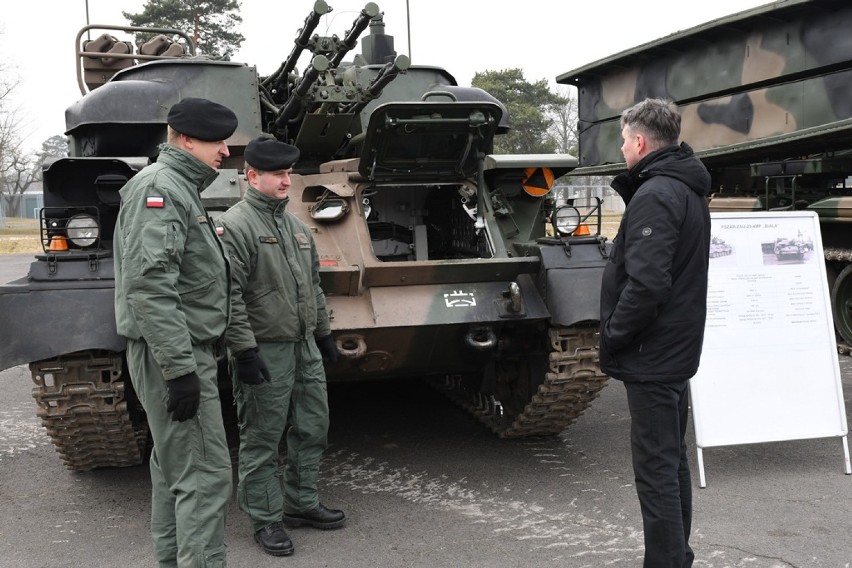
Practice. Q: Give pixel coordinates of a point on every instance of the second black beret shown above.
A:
(269, 155)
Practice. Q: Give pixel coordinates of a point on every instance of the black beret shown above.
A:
(269, 155)
(202, 119)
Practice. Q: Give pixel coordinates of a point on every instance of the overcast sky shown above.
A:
(545, 38)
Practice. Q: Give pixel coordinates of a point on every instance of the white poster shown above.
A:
(769, 368)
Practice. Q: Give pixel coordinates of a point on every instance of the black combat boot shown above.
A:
(273, 540)
(319, 517)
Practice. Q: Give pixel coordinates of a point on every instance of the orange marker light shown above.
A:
(58, 243)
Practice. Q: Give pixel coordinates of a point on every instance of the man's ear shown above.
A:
(641, 144)
(186, 142)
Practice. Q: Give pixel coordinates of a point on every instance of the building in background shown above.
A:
(32, 200)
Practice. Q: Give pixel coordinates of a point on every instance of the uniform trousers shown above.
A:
(658, 419)
(297, 393)
(190, 465)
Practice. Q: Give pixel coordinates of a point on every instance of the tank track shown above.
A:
(573, 380)
(837, 254)
(82, 405)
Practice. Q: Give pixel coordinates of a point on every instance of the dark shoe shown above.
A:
(319, 517)
(273, 540)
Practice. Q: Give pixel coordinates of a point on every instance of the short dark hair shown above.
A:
(657, 119)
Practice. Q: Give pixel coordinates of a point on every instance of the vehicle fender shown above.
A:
(571, 283)
(43, 323)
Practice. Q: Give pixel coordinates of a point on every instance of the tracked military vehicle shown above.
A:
(718, 247)
(435, 253)
(764, 99)
(789, 249)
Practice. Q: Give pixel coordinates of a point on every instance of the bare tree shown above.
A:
(8, 118)
(563, 121)
(16, 169)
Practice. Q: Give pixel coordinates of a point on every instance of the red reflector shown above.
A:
(328, 263)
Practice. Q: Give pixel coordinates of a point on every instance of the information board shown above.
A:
(769, 369)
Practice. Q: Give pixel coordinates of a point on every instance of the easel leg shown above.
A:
(702, 482)
(848, 469)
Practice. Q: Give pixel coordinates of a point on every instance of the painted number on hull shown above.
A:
(459, 299)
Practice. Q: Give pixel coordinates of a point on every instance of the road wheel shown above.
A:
(841, 304)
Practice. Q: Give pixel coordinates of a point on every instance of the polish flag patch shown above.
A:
(155, 201)
(220, 231)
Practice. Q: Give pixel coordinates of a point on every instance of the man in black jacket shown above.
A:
(653, 307)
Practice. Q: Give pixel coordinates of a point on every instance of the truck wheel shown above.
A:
(841, 304)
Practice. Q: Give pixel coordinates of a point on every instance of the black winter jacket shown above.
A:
(654, 289)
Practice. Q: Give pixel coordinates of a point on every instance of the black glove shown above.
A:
(327, 347)
(184, 396)
(251, 369)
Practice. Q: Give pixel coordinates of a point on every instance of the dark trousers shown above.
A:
(658, 416)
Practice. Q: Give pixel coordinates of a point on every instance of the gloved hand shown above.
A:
(327, 347)
(251, 369)
(184, 396)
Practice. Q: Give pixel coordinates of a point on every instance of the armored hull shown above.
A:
(435, 258)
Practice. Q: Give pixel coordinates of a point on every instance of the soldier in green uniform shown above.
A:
(172, 304)
(280, 334)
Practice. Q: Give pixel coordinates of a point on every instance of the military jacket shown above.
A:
(172, 276)
(275, 289)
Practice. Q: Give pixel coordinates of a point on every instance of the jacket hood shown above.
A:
(674, 161)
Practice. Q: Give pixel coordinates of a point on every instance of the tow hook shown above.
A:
(481, 338)
(351, 346)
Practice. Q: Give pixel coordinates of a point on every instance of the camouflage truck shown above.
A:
(439, 259)
(765, 101)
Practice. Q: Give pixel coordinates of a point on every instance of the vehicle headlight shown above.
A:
(566, 220)
(82, 230)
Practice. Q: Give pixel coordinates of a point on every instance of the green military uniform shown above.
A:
(172, 304)
(278, 306)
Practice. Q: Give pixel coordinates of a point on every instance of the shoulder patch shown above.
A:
(155, 201)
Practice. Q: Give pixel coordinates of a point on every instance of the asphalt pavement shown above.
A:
(423, 485)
